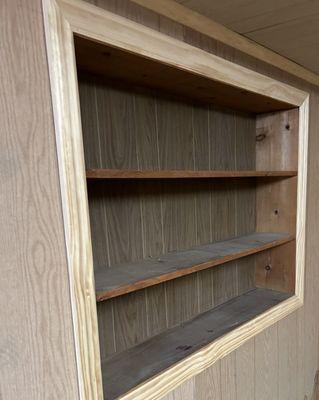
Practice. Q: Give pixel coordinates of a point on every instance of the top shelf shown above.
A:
(182, 174)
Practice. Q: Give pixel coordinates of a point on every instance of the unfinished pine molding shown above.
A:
(200, 23)
(75, 25)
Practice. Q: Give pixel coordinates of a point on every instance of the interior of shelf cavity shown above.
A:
(151, 117)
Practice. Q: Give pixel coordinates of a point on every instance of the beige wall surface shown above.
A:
(37, 358)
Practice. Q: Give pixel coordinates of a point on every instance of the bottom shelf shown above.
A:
(124, 371)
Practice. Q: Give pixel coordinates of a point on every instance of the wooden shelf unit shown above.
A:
(192, 193)
(122, 279)
(129, 100)
(187, 200)
(182, 174)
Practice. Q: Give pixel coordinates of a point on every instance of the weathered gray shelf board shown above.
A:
(182, 174)
(125, 278)
(128, 369)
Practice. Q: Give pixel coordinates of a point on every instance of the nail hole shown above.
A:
(276, 212)
(183, 347)
(260, 137)
(287, 127)
(268, 267)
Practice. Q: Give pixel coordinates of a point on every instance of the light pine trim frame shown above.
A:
(62, 19)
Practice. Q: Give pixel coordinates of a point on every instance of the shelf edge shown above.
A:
(153, 281)
(100, 174)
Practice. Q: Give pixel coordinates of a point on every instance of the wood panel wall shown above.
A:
(36, 346)
(37, 357)
(141, 129)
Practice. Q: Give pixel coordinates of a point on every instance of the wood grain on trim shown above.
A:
(200, 23)
(102, 26)
(126, 278)
(181, 174)
(69, 142)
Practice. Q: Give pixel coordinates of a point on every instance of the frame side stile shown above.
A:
(302, 196)
(62, 72)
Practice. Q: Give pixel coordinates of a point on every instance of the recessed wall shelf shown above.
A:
(180, 256)
(182, 174)
(126, 278)
(188, 200)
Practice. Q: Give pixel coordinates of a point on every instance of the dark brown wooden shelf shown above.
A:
(125, 278)
(126, 370)
(181, 174)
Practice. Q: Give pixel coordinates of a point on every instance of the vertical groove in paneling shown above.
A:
(105, 312)
(245, 374)
(90, 123)
(207, 384)
(176, 150)
(117, 132)
(266, 364)
(228, 377)
(300, 362)
(202, 193)
(287, 368)
(245, 195)
(222, 130)
(130, 320)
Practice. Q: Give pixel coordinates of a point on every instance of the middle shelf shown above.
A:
(183, 174)
(125, 278)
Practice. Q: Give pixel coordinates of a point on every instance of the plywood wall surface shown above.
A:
(37, 359)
